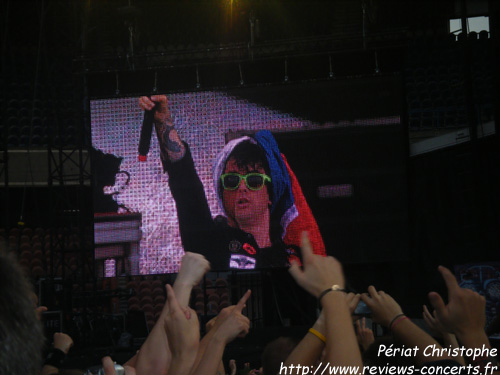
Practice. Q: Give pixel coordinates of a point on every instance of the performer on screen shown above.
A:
(265, 210)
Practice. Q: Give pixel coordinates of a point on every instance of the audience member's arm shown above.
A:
(437, 329)
(208, 327)
(464, 314)
(62, 345)
(154, 356)
(318, 275)
(205, 341)
(132, 362)
(183, 333)
(309, 349)
(387, 312)
(224, 331)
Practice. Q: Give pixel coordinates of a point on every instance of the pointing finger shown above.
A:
(449, 279)
(373, 292)
(295, 271)
(437, 303)
(241, 303)
(306, 248)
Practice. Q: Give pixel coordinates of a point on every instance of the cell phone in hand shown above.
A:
(362, 309)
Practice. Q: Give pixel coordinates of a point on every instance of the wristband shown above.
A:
(317, 334)
(333, 288)
(394, 319)
(55, 358)
(398, 319)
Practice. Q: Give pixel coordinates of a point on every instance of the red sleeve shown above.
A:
(305, 221)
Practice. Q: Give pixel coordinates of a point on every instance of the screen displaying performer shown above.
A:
(238, 202)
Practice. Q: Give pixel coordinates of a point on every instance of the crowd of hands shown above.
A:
(174, 345)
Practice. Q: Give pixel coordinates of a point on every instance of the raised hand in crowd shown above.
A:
(319, 273)
(62, 342)
(438, 330)
(62, 345)
(364, 334)
(154, 356)
(464, 314)
(387, 312)
(230, 323)
(324, 279)
(193, 267)
(384, 308)
(183, 333)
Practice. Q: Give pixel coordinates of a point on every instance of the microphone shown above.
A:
(146, 131)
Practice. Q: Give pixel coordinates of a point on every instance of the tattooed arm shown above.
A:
(171, 146)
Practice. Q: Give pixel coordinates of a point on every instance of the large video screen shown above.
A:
(136, 219)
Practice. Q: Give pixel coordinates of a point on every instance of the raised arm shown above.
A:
(324, 279)
(387, 312)
(464, 314)
(183, 333)
(225, 330)
(62, 345)
(171, 146)
(438, 330)
(154, 357)
(309, 349)
(195, 219)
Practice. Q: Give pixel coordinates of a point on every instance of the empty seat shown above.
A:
(212, 308)
(148, 308)
(157, 284)
(159, 300)
(158, 292)
(37, 272)
(214, 298)
(133, 301)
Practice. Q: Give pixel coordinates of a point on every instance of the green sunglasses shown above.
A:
(254, 181)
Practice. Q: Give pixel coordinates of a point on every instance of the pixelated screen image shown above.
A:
(136, 225)
(484, 278)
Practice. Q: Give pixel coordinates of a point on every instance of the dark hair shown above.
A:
(276, 352)
(249, 156)
(21, 335)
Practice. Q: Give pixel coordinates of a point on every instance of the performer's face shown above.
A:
(243, 206)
